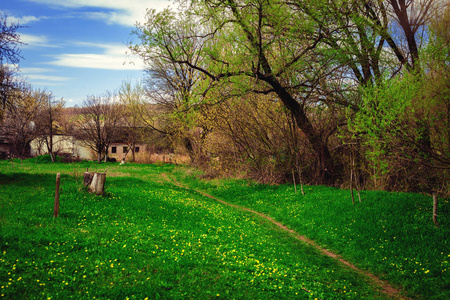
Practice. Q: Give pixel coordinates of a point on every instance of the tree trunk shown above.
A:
(293, 179)
(97, 185)
(50, 146)
(320, 147)
(351, 186)
(435, 208)
(95, 182)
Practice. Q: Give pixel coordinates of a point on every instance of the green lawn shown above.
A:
(147, 238)
(389, 234)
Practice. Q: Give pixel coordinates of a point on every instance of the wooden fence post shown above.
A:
(56, 207)
(435, 207)
(293, 179)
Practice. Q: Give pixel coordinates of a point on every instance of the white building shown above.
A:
(62, 144)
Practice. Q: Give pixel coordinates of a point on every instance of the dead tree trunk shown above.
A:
(95, 182)
(351, 186)
(435, 208)
(97, 185)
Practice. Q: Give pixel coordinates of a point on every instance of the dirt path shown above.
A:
(385, 286)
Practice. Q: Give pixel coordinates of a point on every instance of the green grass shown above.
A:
(390, 234)
(147, 238)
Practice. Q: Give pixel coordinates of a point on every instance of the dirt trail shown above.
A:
(385, 286)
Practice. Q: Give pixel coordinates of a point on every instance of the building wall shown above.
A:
(118, 151)
(62, 144)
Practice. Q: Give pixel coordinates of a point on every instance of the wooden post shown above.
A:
(56, 207)
(435, 206)
(301, 180)
(351, 186)
(293, 178)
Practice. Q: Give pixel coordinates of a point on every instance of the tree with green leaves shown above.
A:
(403, 122)
(313, 56)
(242, 46)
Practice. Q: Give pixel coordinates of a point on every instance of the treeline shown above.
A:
(348, 93)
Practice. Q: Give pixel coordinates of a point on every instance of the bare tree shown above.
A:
(9, 86)
(20, 121)
(49, 116)
(97, 124)
(131, 100)
(9, 54)
(9, 40)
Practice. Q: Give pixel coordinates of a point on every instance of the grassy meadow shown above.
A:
(147, 238)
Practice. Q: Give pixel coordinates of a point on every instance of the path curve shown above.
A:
(385, 286)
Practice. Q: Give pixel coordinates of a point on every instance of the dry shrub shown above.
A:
(251, 137)
(152, 158)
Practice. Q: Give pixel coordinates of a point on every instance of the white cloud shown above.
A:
(22, 20)
(46, 78)
(110, 49)
(114, 57)
(35, 40)
(36, 76)
(122, 12)
(96, 61)
(35, 70)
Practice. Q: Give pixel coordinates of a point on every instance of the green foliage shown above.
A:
(401, 126)
(47, 158)
(381, 117)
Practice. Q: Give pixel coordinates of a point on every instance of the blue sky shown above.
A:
(76, 48)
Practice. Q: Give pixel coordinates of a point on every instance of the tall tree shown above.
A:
(49, 116)
(314, 55)
(403, 121)
(9, 55)
(20, 123)
(133, 106)
(244, 43)
(173, 86)
(96, 126)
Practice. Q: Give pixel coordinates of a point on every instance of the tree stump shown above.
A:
(95, 182)
(87, 178)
